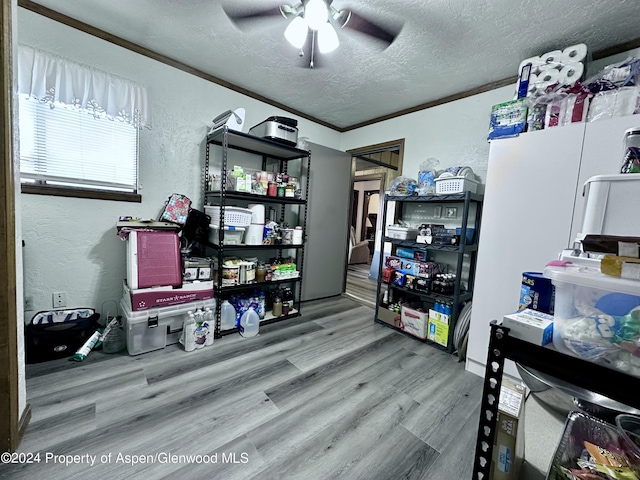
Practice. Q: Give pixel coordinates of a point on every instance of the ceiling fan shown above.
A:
(313, 25)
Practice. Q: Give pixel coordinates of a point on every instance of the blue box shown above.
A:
(471, 234)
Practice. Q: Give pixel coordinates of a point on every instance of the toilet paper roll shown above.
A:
(549, 76)
(574, 54)
(542, 86)
(535, 62)
(571, 73)
(257, 212)
(254, 234)
(553, 58)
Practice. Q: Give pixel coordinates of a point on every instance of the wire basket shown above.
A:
(233, 216)
(448, 185)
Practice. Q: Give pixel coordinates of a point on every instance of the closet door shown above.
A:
(526, 222)
(327, 221)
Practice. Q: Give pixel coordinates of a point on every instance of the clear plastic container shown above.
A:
(595, 316)
(629, 430)
(249, 323)
(227, 316)
(115, 340)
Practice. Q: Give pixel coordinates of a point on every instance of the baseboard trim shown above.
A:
(25, 418)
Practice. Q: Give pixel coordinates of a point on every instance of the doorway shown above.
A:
(373, 167)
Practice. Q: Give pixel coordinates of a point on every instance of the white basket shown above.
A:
(448, 185)
(233, 216)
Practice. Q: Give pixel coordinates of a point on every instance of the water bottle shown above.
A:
(227, 316)
(209, 320)
(249, 323)
(189, 332)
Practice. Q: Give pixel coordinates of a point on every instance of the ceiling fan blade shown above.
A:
(361, 24)
(243, 15)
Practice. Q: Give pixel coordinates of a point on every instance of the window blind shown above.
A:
(69, 147)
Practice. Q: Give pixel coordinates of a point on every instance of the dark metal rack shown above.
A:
(269, 150)
(599, 379)
(459, 296)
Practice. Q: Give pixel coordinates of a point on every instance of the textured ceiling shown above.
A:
(444, 47)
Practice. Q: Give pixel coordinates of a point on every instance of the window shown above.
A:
(79, 128)
(66, 147)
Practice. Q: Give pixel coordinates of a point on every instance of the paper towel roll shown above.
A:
(551, 58)
(571, 73)
(254, 234)
(549, 76)
(574, 54)
(257, 213)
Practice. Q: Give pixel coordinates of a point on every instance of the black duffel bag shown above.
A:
(58, 333)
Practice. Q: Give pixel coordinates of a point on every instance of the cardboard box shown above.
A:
(438, 328)
(389, 316)
(146, 298)
(508, 445)
(530, 325)
(414, 322)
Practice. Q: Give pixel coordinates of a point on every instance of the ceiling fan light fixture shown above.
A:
(327, 38)
(315, 13)
(296, 32)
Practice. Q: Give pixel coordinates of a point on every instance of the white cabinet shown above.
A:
(533, 207)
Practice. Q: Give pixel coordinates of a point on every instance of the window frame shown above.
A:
(42, 188)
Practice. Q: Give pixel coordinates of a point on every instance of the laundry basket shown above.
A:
(233, 216)
(449, 185)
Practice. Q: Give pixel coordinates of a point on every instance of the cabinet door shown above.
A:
(526, 221)
(329, 198)
(602, 154)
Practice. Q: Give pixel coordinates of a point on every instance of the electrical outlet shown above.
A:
(59, 299)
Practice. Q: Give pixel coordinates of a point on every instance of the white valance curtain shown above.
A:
(55, 80)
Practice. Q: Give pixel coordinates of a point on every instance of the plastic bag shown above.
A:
(403, 186)
(616, 75)
(427, 176)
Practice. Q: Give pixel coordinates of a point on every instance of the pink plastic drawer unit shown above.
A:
(153, 259)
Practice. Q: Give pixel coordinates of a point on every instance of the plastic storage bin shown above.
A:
(232, 235)
(233, 216)
(445, 186)
(596, 316)
(402, 233)
(157, 327)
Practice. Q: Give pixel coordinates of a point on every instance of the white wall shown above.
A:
(455, 133)
(71, 244)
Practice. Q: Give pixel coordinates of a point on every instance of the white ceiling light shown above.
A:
(327, 38)
(315, 14)
(296, 32)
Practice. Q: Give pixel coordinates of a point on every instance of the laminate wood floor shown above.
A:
(359, 286)
(331, 394)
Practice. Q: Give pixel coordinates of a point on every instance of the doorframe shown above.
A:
(384, 179)
(10, 431)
